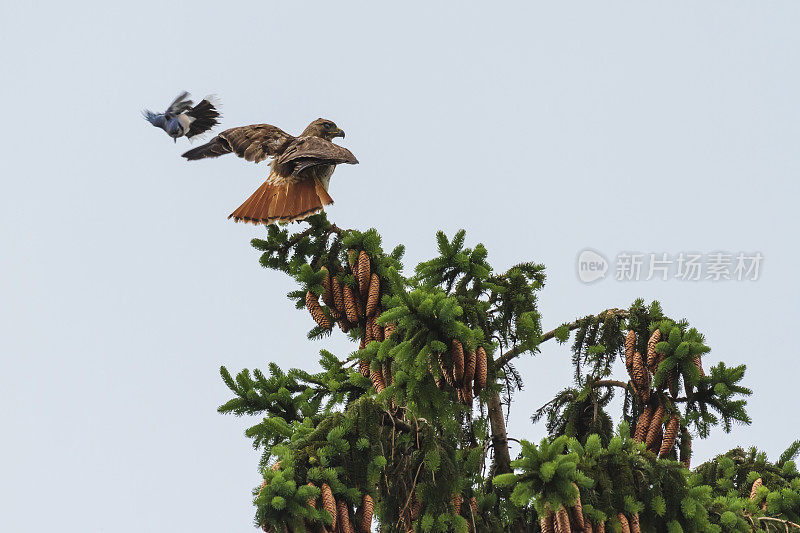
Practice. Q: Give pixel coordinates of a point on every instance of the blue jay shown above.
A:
(182, 118)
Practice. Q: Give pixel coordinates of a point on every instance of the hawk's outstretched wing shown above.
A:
(305, 152)
(254, 143)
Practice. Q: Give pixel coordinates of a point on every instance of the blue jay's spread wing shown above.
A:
(204, 116)
(156, 119)
(254, 143)
(180, 104)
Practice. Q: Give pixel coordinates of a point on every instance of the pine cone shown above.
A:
(460, 396)
(366, 517)
(480, 369)
(364, 274)
(387, 371)
(686, 452)
(670, 434)
(276, 466)
(368, 338)
(350, 304)
(630, 347)
(457, 501)
(377, 329)
(654, 432)
(473, 506)
(327, 294)
(640, 377)
(754, 489)
(312, 502)
(652, 356)
(388, 329)
(672, 383)
(469, 369)
(587, 526)
(635, 523)
(446, 373)
(344, 516)
(374, 295)
(316, 311)
(626, 528)
(329, 503)
(698, 363)
(562, 521)
(643, 424)
(457, 352)
(577, 510)
(363, 367)
(263, 484)
(352, 259)
(415, 507)
(377, 380)
(547, 522)
(600, 527)
(466, 394)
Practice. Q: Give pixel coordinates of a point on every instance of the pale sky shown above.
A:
(541, 128)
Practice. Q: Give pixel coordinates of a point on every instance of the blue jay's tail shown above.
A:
(203, 116)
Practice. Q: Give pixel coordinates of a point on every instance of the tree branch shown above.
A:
(516, 350)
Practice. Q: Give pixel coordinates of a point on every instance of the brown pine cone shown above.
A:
(457, 352)
(547, 522)
(359, 304)
(473, 506)
(363, 367)
(698, 363)
(387, 372)
(377, 329)
(652, 356)
(329, 503)
(630, 347)
(672, 383)
(587, 526)
(388, 329)
(600, 527)
(469, 369)
(368, 338)
(480, 369)
(364, 274)
(352, 260)
(460, 396)
(754, 489)
(641, 378)
(562, 521)
(263, 484)
(377, 380)
(654, 432)
(626, 528)
(415, 507)
(312, 304)
(374, 295)
(457, 501)
(366, 517)
(686, 455)
(446, 373)
(670, 434)
(327, 294)
(643, 424)
(577, 510)
(350, 305)
(312, 502)
(634, 522)
(344, 516)
(466, 394)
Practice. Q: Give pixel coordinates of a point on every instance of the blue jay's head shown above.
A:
(174, 128)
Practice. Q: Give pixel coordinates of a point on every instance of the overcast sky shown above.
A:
(541, 129)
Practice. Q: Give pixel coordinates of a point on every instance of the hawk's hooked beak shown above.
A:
(339, 133)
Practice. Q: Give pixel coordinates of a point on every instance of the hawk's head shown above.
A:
(322, 128)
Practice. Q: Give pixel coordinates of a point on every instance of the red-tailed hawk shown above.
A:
(297, 186)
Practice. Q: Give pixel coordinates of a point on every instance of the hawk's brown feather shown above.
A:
(297, 186)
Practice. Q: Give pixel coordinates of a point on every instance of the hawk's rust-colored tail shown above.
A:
(283, 202)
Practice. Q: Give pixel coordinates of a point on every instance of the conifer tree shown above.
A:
(407, 432)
